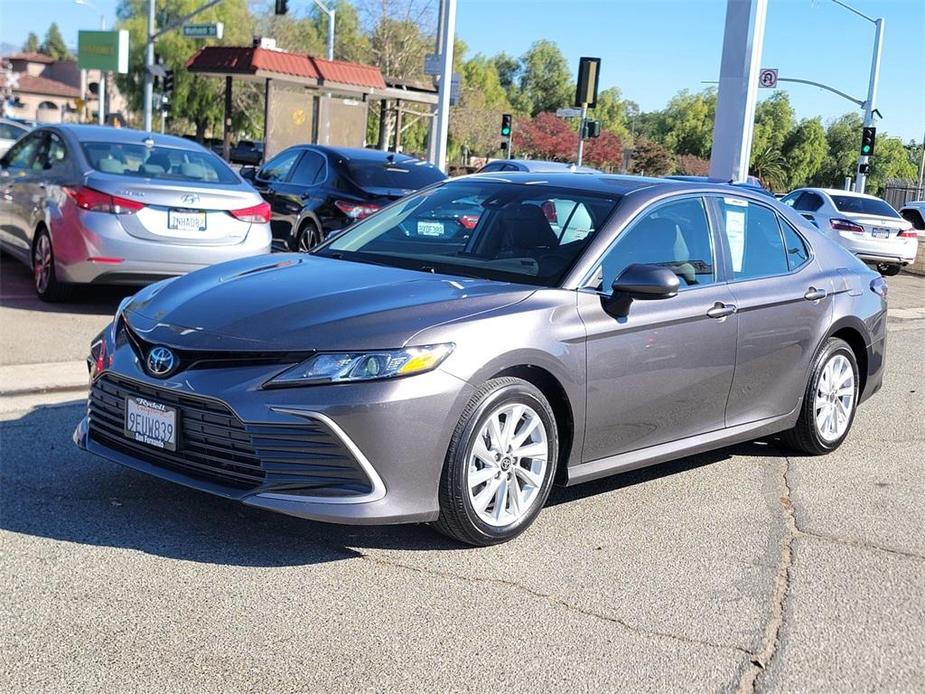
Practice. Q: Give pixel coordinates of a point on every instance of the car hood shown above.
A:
(303, 302)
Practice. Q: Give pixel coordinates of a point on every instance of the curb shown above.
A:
(51, 377)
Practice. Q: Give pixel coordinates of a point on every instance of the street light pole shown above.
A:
(442, 119)
(330, 12)
(149, 63)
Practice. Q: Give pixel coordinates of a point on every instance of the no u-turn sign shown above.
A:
(767, 78)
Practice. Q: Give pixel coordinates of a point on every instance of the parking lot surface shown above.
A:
(745, 569)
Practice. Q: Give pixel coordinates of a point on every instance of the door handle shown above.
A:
(813, 294)
(721, 310)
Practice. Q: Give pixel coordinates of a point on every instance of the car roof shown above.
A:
(914, 203)
(104, 133)
(361, 153)
(839, 191)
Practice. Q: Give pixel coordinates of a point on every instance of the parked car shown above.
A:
(864, 224)
(10, 131)
(914, 213)
(397, 375)
(534, 165)
(94, 205)
(247, 152)
(750, 183)
(314, 190)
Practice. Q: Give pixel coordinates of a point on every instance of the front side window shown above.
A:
(754, 239)
(480, 228)
(156, 162)
(277, 169)
(22, 154)
(675, 235)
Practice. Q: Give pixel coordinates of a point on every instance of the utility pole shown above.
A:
(922, 168)
(442, 119)
(432, 129)
(329, 11)
(581, 133)
(149, 63)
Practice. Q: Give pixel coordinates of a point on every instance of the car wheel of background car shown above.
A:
(45, 281)
(500, 464)
(829, 402)
(888, 269)
(309, 237)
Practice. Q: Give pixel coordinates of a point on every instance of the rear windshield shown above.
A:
(406, 175)
(158, 163)
(851, 203)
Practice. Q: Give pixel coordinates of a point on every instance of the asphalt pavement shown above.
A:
(745, 569)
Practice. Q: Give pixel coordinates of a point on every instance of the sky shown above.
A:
(652, 49)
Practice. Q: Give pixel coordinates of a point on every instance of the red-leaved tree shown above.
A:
(549, 137)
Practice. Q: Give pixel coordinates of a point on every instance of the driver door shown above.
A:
(662, 372)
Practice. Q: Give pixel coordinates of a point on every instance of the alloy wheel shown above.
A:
(307, 239)
(507, 465)
(834, 399)
(42, 263)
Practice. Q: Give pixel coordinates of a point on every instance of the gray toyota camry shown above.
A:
(451, 357)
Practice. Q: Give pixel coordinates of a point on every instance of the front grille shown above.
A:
(217, 446)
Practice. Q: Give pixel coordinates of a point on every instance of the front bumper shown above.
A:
(397, 430)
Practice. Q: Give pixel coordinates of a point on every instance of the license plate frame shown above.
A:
(880, 233)
(146, 421)
(431, 228)
(186, 220)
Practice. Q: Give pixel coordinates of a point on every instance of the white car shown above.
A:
(864, 224)
(10, 131)
(914, 213)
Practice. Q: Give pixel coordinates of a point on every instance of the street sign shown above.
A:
(767, 78)
(103, 50)
(204, 31)
(432, 64)
(568, 112)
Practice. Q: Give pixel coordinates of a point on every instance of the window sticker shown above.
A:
(735, 232)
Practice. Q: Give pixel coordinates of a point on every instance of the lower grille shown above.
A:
(217, 446)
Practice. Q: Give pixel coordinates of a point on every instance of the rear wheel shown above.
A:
(500, 465)
(309, 237)
(888, 269)
(45, 280)
(829, 402)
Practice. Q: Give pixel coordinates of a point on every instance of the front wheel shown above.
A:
(829, 403)
(500, 464)
(888, 269)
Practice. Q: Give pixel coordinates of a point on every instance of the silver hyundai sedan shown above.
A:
(449, 358)
(90, 205)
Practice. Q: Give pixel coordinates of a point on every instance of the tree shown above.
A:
(611, 111)
(804, 152)
(350, 43)
(32, 43)
(686, 124)
(474, 122)
(769, 166)
(692, 165)
(773, 122)
(545, 137)
(508, 70)
(891, 161)
(545, 80)
(843, 141)
(54, 46)
(604, 152)
(650, 158)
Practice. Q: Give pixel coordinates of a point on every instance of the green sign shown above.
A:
(204, 31)
(103, 50)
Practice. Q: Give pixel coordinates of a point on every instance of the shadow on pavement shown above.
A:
(49, 488)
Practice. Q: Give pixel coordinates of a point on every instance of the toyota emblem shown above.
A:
(161, 362)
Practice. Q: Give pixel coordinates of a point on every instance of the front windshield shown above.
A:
(488, 229)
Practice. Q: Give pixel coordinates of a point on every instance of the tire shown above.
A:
(472, 515)
(309, 237)
(889, 269)
(817, 436)
(44, 278)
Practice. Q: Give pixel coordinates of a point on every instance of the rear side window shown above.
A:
(157, 163)
(310, 169)
(797, 251)
(809, 202)
(754, 239)
(858, 205)
(401, 175)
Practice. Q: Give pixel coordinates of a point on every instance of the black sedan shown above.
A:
(314, 190)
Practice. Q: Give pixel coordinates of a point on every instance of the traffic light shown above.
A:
(168, 82)
(592, 129)
(503, 145)
(868, 137)
(507, 121)
(282, 7)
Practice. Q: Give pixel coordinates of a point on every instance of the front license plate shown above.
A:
(186, 220)
(151, 423)
(880, 233)
(430, 228)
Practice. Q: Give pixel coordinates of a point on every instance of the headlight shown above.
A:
(344, 367)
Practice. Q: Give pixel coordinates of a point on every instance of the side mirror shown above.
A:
(644, 282)
(248, 173)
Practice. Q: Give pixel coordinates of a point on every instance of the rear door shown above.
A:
(267, 181)
(301, 189)
(784, 302)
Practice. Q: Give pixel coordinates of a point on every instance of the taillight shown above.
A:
(549, 209)
(845, 225)
(356, 210)
(909, 233)
(468, 221)
(96, 201)
(258, 214)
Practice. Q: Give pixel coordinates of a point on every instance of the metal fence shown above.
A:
(898, 193)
